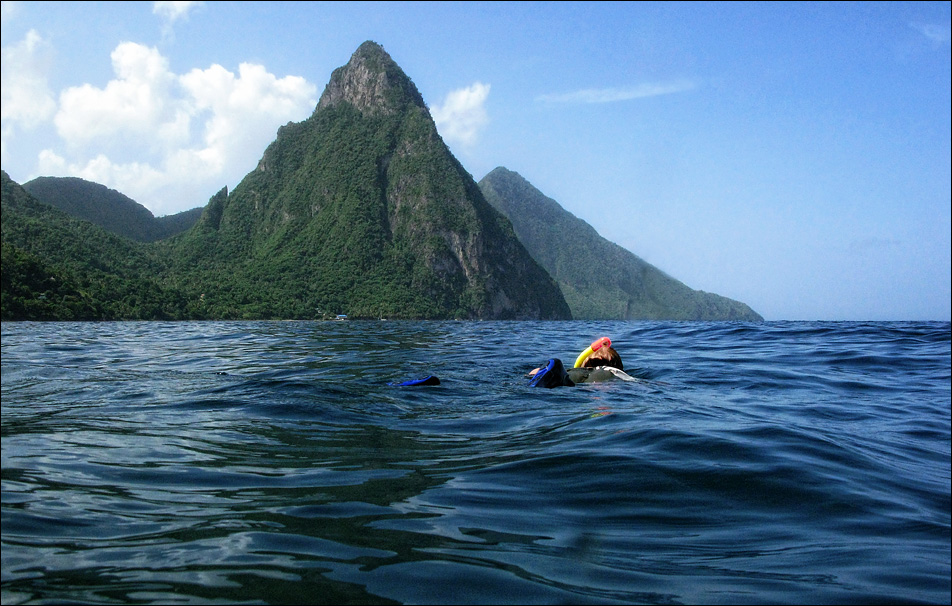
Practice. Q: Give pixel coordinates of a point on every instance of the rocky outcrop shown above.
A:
(371, 82)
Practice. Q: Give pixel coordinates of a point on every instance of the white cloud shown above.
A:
(172, 11)
(131, 176)
(135, 103)
(610, 95)
(244, 112)
(462, 116)
(170, 141)
(939, 34)
(27, 100)
(8, 8)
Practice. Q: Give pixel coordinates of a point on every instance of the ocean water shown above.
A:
(273, 463)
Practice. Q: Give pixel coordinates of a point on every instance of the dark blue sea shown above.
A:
(273, 463)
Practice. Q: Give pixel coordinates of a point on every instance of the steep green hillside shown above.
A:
(599, 279)
(108, 208)
(361, 209)
(58, 267)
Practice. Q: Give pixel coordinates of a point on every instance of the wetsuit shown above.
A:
(597, 374)
(555, 375)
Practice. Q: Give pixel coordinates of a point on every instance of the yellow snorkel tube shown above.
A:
(595, 346)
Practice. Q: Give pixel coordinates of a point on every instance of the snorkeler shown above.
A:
(598, 362)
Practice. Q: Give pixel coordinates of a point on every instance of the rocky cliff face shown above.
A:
(370, 82)
(364, 210)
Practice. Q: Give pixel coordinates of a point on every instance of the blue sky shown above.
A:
(793, 156)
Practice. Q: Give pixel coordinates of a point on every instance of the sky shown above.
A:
(792, 156)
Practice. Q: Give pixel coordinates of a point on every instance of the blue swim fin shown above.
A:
(430, 380)
(553, 375)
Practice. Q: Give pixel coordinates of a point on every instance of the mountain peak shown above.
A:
(372, 82)
(362, 209)
(624, 286)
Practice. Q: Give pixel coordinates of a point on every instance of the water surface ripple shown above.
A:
(273, 462)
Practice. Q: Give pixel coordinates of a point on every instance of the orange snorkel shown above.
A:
(595, 346)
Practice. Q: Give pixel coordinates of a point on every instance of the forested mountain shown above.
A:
(599, 279)
(56, 267)
(361, 209)
(111, 210)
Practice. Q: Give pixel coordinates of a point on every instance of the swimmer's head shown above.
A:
(604, 356)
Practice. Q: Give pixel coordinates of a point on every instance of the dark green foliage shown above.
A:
(57, 267)
(599, 279)
(362, 210)
(33, 290)
(170, 225)
(108, 208)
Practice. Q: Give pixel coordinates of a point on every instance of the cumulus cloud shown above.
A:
(27, 100)
(610, 95)
(170, 12)
(462, 115)
(173, 11)
(128, 178)
(169, 141)
(136, 103)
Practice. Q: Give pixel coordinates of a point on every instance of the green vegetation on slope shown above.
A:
(108, 208)
(599, 279)
(57, 267)
(362, 210)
